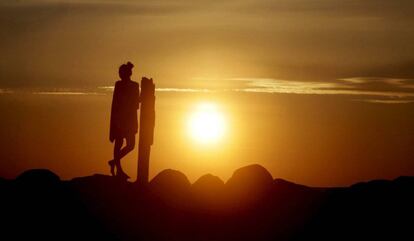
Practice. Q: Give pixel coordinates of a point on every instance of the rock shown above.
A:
(100, 187)
(281, 185)
(208, 183)
(249, 184)
(208, 191)
(171, 185)
(96, 179)
(38, 177)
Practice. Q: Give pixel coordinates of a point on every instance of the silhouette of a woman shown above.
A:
(124, 121)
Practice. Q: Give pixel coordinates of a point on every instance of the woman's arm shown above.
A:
(114, 108)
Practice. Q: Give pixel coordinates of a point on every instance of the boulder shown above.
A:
(208, 191)
(249, 184)
(171, 185)
(38, 177)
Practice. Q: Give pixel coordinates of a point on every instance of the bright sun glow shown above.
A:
(206, 124)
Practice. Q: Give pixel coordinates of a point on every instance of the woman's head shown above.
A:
(125, 71)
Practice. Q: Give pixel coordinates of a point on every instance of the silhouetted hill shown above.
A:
(283, 184)
(3, 182)
(286, 189)
(378, 209)
(250, 206)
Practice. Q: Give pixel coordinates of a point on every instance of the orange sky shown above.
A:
(320, 140)
(319, 92)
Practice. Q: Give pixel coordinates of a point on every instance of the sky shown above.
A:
(317, 91)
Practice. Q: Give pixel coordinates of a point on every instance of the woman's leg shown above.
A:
(130, 144)
(117, 152)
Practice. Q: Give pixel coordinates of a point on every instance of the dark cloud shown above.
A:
(23, 17)
(367, 8)
(307, 40)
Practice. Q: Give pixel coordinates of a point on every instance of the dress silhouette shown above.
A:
(124, 121)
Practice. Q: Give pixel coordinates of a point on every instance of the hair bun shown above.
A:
(130, 65)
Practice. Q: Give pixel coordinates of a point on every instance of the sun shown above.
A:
(206, 123)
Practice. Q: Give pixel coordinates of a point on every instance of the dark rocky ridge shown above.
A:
(251, 205)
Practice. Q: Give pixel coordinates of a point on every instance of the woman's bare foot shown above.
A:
(122, 175)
